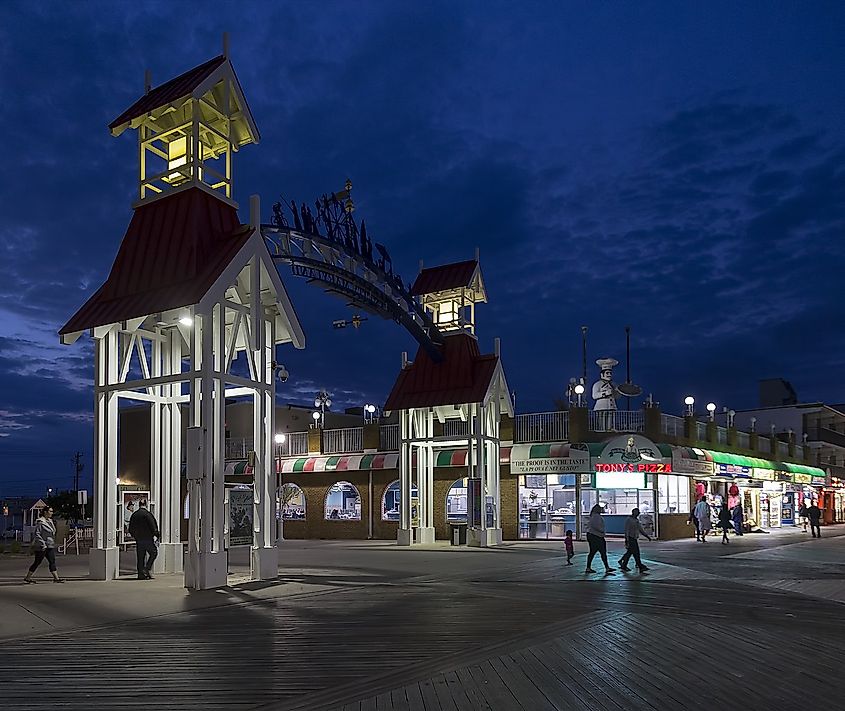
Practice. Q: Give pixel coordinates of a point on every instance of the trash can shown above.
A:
(458, 534)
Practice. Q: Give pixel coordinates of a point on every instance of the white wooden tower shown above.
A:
(466, 393)
(191, 313)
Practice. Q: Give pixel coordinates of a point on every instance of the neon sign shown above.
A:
(639, 468)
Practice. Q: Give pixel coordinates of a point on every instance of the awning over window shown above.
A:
(742, 466)
(342, 463)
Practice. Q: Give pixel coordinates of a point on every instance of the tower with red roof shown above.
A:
(190, 314)
(463, 385)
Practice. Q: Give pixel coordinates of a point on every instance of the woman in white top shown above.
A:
(595, 537)
(44, 545)
(702, 515)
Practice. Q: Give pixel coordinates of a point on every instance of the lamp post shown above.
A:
(689, 401)
(322, 401)
(579, 392)
(279, 439)
(711, 408)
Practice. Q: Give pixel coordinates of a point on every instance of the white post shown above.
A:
(405, 534)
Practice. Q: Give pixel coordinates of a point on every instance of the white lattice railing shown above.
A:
(346, 439)
(295, 443)
(541, 427)
(722, 435)
(455, 428)
(672, 425)
(617, 421)
(388, 438)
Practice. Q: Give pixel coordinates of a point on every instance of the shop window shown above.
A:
(390, 501)
(456, 502)
(343, 502)
(673, 494)
(292, 502)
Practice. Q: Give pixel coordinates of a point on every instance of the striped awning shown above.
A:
(238, 467)
(342, 463)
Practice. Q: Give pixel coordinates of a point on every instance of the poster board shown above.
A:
(241, 517)
(129, 504)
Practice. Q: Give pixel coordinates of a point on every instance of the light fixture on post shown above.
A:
(753, 424)
(689, 401)
(711, 408)
(579, 392)
(731, 416)
(369, 413)
(186, 321)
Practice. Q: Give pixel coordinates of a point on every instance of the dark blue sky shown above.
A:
(675, 167)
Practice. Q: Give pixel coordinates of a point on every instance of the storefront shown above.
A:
(624, 476)
(547, 493)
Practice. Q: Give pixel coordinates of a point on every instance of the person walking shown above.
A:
(633, 529)
(44, 545)
(570, 547)
(144, 529)
(595, 538)
(702, 514)
(802, 513)
(814, 513)
(737, 517)
(693, 520)
(725, 521)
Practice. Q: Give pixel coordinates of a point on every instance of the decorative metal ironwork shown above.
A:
(329, 248)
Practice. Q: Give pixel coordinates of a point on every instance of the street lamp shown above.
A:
(279, 438)
(711, 408)
(579, 391)
(369, 413)
(689, 401)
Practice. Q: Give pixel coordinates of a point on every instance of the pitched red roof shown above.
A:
(171, 90)
(447, 276)
(173, 251)
(463, 376)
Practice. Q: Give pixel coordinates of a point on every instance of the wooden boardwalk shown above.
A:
(368, 628)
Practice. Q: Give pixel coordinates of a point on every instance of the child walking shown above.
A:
(570, 547)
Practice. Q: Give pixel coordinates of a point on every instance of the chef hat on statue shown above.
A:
(606, 363)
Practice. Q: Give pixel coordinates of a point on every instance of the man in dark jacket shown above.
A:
(814, 513)
(144, 529)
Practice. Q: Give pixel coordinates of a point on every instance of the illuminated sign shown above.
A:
(640, 468)
(734, 470)
(619, 480)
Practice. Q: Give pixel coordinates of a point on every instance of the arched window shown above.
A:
(292, 502)
(343, 502)
(391, 499)
(456, 502)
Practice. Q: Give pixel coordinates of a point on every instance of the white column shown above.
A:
(405, 535)
(425, 476)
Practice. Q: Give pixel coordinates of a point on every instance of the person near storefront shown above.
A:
(702, 513)
(693, 520)
(44, 546)
(570, 547)
(737, 519)
(725, 521)
(595, 538)
(633, 529)
(814, 513)
(802, 512)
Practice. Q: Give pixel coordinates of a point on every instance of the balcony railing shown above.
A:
(455, 428)
(541, 427)
(295, 443)
(799, 451)
(388, 438)
(346, 439)
(617, 421)
(672, 425)
(763, 445)
(743, 440)
(783, 450)
(722, 435)
(701, 431)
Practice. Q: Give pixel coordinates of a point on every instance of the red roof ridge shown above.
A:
(446, 276)
(171, 90)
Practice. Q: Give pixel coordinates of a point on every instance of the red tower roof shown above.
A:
(463, 376)
(442, 278)
(173, 251)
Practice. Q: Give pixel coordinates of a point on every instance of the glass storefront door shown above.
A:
(617, 504)
(546, 506)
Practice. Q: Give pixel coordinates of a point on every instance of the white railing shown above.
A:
(672, 425)
(617, 421)
(701, 431)
(722, 435)
(783, 450)
(455, 428)
(799, 451)
(743, 440)
(295, 443)
(388, 438)
(541, 427)
(763, 445)
(346, 439)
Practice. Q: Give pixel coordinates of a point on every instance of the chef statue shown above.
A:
(605, 393)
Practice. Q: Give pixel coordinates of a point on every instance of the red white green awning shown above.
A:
(342, 462)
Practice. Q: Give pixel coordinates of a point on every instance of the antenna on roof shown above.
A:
(477, 254)
(226, 45)
(148, 81)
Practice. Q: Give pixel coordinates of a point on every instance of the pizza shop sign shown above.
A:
(628, 454)
(639, 467)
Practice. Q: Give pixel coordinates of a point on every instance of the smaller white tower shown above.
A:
(449, 294)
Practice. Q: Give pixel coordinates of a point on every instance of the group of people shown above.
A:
(598, 544)
(729, 518)
(813, 514)
(142, 527)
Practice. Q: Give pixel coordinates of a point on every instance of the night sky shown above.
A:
(678, 169)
